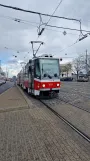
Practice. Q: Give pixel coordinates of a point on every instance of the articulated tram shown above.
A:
(41, 76)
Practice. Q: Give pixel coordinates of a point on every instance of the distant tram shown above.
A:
(41, 76)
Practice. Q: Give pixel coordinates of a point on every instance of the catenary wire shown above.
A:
(33, 12)
(54, 12)
(67, 28)
(31, 23)
(70, 45)
(19, 9)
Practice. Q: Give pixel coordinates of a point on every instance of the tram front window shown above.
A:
(49, 68)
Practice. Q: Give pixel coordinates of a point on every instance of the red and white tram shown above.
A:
(41, 76)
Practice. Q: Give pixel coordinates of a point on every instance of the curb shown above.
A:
(5, 91)
(25, 97)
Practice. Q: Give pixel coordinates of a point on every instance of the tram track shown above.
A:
(41, 102)
(82, 134)
(67, 102)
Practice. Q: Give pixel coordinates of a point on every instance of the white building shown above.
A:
(2, 74)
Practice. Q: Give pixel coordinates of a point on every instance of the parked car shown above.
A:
(66, 79)
(82, 79)
(2, 82)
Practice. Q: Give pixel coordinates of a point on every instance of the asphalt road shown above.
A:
(6, 86)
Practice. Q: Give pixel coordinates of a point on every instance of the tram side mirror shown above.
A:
(30, 61)
(55, 75)
(45, 75)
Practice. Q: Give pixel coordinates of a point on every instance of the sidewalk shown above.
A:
(12, 100)
(35, 133)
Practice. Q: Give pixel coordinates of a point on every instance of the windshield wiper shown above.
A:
(50, 76)
(47, 75)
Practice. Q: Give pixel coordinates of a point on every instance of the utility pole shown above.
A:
(0, 68)
(86, 63)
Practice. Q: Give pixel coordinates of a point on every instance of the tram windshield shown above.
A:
(49, 68)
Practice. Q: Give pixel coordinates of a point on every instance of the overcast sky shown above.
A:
(16, 36)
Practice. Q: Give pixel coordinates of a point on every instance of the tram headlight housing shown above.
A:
(58, 84)
(38, 86)
(43, 85)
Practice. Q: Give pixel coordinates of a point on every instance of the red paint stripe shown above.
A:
(26, 84)
(48, 85)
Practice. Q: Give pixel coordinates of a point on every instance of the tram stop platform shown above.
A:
(30, 132)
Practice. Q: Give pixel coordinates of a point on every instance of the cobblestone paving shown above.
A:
(75, 99)
(83, 88)
(37, 134)
(76, 93)
(76, 116)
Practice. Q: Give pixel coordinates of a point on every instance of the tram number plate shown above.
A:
(50, 84)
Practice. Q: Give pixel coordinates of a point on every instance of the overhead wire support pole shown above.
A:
(67, 28)
(49, 19)
(52, 26)
(86, 63)
(38, 13)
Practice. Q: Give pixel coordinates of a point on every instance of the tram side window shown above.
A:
(37, 69)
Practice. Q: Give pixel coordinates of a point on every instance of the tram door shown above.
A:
(32, 77)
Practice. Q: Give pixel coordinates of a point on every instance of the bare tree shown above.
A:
(79, 64)
(66, 68)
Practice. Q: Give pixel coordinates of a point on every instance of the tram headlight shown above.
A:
(58, 84)
(38, 85)
(43, 85)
